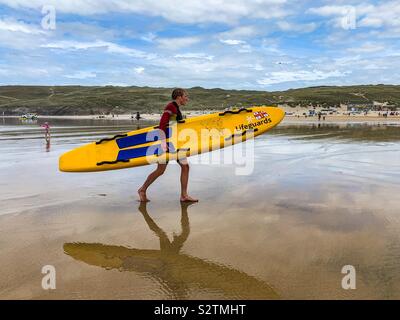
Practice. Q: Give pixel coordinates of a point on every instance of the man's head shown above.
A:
(180, 96)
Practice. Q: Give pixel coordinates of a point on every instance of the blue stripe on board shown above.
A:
(143, 151)
(140, 138)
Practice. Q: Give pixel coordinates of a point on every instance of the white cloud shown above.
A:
(17, 34)
(256, 66)
(139, 70)
(367, 48)
(177, 43)
(347, 60)
(90, 31)
(81, 75)
(232, 42)
(287, 26)
(194, 56)
(210, 57)
(327, 11)
(26, 72)
(371, 22)
(240, 32)
(13, 25)
(190, 11)
(386, 13)
(149, 37)
(243, 47)
(301, 75)
(270, 45)
(108, 46)
(246, 48)
(340, 10)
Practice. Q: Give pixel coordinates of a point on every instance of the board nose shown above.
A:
(73, 161)
(276, 113)
(64, 163)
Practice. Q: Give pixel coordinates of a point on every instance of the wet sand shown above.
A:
(320, 197)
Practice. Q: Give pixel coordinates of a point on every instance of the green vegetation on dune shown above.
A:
(325, 95)
(82, 100)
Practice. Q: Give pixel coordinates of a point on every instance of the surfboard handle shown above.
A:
(240, 134)
(111, 162)
(113, 138)
(234, 112)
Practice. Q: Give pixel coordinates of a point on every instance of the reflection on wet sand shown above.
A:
(47, 144)
(176, 273)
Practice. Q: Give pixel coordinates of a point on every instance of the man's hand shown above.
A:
(164, 146)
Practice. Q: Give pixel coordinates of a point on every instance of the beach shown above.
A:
(299, 115)
(321, 196)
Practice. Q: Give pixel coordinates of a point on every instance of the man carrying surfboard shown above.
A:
(171, 113)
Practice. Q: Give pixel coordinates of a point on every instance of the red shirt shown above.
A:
(170, 111)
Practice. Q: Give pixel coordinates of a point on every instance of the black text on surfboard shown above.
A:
(243, 126)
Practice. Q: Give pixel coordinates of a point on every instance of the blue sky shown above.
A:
(260, 45)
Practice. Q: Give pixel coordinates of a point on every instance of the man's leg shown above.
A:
(184, 181)
(150, 179)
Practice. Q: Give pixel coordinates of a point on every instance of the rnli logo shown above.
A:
(260, 115)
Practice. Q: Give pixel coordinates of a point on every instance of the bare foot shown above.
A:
(142, 196)
(188, 199)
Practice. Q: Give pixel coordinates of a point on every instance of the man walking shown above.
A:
(171, 113)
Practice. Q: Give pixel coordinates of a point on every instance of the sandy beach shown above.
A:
(319, 198)
(292, 117)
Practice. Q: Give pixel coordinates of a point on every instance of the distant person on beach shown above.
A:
(46, 127)
(138, 117)
(171, 113)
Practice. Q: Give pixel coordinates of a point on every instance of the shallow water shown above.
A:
(319, 198)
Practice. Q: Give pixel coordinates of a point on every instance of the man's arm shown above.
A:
(169, 110)
(164, 123)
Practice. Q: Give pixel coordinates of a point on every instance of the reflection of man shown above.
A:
(176, 244)
(177, 274)
(171, 113)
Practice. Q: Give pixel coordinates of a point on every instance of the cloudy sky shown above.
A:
(253, 44)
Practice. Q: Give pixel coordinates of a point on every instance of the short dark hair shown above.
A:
(178, 92)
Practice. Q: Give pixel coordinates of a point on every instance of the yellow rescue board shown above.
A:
(188, 137)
